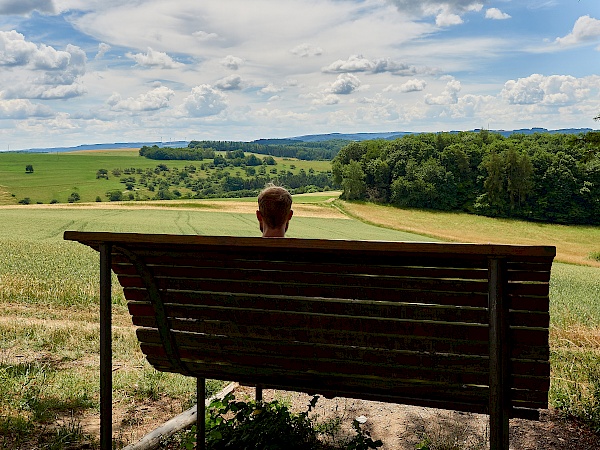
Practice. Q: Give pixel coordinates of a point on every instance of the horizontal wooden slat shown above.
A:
(392, 342)
(382, 362)
(387, 388)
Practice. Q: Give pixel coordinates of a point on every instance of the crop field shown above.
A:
(49, 313)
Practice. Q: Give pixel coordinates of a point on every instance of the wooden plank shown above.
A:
(192, 261)
(373, 309)
(342, 384)
(376, 357)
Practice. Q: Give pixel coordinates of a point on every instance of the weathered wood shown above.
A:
(419, 323)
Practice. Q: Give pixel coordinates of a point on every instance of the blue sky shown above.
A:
(99, 71)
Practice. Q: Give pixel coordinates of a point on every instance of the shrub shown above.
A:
(257, 424)
(25, 201)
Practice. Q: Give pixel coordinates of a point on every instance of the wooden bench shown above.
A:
(445, 325)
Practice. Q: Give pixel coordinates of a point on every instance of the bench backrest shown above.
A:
(396, 322)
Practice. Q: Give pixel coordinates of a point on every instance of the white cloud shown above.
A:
(358, 63)
(326, 99)
(586, 29)
(270, 89)
(204, 101)
(22, 109)
(102, 49)
(305, 50)
(549, 90)
(153, 58)
(153, 100)
(16, 51)
(229, 83)
(205, 36)
(25, 7)
(413, 85)
(446, 12)
(232, 62)
(43, 92)
(44, 72)
(447, 19)
(448, 97)
(345, 84)
(496, 14)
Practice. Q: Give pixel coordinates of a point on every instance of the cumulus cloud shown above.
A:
(358, 63)
(232, 62)
(270, 89)
(230, 83)
(447, 19)
(43, 92)
(23, 109)
(204, 101)
(19, 52)
(327, 100)
(446, 12)
(345, 84)
(496, 14)
(306, 50)
(586, 29)
(102, 49)
(413, 85)
(153, 58)
(448, 97)
(57, 72)
(549, 90)
(25, 7)
(153, 100)
(205, 36)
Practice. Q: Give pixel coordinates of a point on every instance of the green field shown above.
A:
(49, 304)
(57, 175)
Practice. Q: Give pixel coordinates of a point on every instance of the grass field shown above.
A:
(49, 297)
(57, 175)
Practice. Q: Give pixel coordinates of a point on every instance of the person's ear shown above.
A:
(290, 215)
(260, 220)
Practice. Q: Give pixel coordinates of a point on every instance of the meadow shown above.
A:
(57, 175)
(49, 329)
(49, 300)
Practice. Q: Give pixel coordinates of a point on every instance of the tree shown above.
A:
(353, 181)
(74, 197)
(102, 173)
(28, 168)
(114, 195)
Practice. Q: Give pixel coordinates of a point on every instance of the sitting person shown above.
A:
(274, 211)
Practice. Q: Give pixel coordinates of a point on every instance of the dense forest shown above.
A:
(285, 148)
(541, 177)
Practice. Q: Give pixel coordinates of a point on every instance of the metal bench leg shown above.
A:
(201, 414)
(105, 349)
(259, 393)
(499, 357)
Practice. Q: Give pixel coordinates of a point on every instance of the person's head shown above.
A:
(274, 211)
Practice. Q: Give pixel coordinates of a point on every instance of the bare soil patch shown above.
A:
(400, 426)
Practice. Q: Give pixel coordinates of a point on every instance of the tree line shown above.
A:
(541, 177)
(285, 148)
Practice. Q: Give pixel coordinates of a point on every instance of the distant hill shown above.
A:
(174, 144)
(396, 134)
(305, 138)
